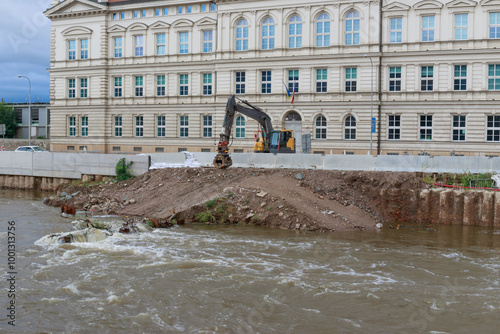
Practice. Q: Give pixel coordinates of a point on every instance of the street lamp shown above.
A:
(371, 105)
(29, 108)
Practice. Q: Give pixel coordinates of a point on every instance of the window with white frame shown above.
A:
(323, 30)
(394, 127)
(293, 81)
(495, 25)
(85, 126)
(242, 35)
(203, 8)
(493, 128)
(321, 80)
(72, 49)
(118, 46)
(351, 79)
(184, 42)
(143, 14)
(115, 16)
(184, 126)
(122, 15)
(213, 7)
(183, 84)
(240, 82)
(461, 26)
(139, 45)
(395, 79)
(240, 127)
(494, 77)
(179, 10)
(72, 126)
(268, 34)
(165, 11)
(295, 32)
(350, 128)
(84, 88)
(136, 14)
(160, 44)
(160, 85)
(207, 83)
(352, 28)
(207, 126)
(266, 82)
(71, 88)
(320, 127)
(157, 11)
(118, 87)
(396, 30)
(428, 28)
(427, 78)
(189, 9)
(460, 77)
(84, 49)
(118, 126)
(459, 126)
(139, 86)
(208, 41)
(161, 126)
(139, 126)
(425, 127)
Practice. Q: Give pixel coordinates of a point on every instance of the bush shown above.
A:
(123, 171)
(204, 217)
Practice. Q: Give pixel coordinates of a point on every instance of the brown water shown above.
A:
(245, 279)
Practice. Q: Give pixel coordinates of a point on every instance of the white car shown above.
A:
(30, 149)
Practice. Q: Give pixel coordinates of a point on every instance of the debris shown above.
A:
(299, 176)
(261, 194)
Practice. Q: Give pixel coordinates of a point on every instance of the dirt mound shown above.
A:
(296, 199)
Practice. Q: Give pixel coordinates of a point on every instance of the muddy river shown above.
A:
(246, 279)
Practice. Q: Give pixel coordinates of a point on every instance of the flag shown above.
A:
(287, 91)
(293, 96)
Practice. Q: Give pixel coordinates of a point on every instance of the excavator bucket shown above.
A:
(222, 161)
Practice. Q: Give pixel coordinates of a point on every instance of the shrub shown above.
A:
(123, 171)
(204, 217)
(211, 203)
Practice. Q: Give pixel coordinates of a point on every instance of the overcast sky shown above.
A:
(24, 50)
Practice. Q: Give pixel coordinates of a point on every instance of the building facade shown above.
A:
(40, 120)
(410, 77)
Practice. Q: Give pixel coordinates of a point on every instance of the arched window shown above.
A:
(242, 35)
(350, 128)
(268, 32)
(323, 30)
(293, 116)
(352, 28)
(321, 127)
(240, 127)
(295, 32)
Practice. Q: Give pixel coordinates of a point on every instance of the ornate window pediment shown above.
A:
(490, 3)
(137, 26)
(428, 4)
(206, 22)
(159, 25)
(116, 28)
(396, 6)
(461, 4)
(182, 23)
(77, 30)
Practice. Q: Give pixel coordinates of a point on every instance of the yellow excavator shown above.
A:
(267, 140)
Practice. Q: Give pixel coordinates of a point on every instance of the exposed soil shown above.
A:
(314, 200)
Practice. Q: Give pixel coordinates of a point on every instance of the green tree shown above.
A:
(8, 117)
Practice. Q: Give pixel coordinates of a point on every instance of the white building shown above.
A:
(154, 75)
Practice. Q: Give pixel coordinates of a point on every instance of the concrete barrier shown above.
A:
(403, 163)
(168, 158)
(350, 162)
(442, 164)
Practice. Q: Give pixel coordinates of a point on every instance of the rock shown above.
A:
(64, 193)
(263, 204)
(250, 215)
(132, 201)
(68, 197)
(280, 214)
(321, 197)
(379, 225)
(297, 226)
(299, 176)
(74, 194)
(280, 207)
(261, 194)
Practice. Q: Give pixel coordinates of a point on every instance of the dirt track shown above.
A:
(295, 199)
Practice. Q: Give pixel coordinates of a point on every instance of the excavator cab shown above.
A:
(282, 141)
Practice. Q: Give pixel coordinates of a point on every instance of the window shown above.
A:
(72, 50)
(139, 126)
(213, 7)
(118, 87)
(293, 81)
(323, 30)
(321, 127)
(207, 126)
(395, 79)
(460, 77)
(428, 27)
(165, 11)
(425, 127)
(189, 9)
(84, 49)
(459, 127)
(143, 13)
(495, 25)
(184, 126)
(240, 127)
(117, 148)
(136, 14)
(118, 126)
(137, 149)
(351, 75)
(266, 82)
(396, 30)
(85, 126)
(207, 83)
(122, 15)
(394, 127)
(71, 88)
(157, 12)
(350, 128)
(184, 84)
(203, 8)
(494, 77)
(184, 42)
(207, 41)
(268, 34)
(160, 85)
(242, 35)
(493, 129)
(161, 126)
(352, 27)
(160, 44)
(139, 45)
(139, 86)
(240, 82)
(179, 10)
(321, 80)
(72, 126)
(115, 16)
(461, 26)
(83, 87)
(295, 32)
(426, 78)
(118, 47)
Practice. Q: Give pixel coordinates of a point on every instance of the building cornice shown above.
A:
(84, 8)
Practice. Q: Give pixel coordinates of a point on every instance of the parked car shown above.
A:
(30, 149)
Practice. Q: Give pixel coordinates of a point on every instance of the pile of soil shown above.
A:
(313, 200)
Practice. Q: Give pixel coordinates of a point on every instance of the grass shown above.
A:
(204, 217)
